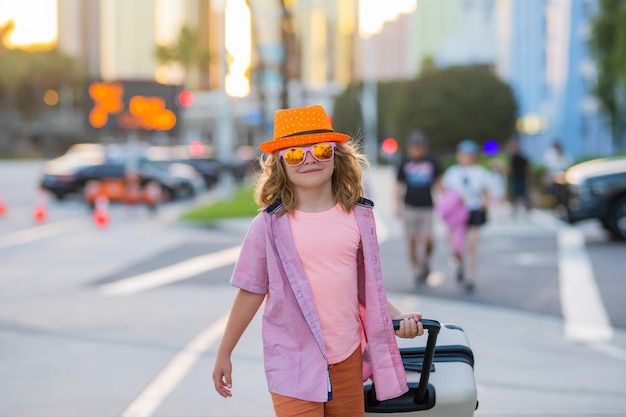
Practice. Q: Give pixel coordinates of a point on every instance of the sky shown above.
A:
(35, 21)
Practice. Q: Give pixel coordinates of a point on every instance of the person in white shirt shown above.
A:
(556, 161)
(473, 182)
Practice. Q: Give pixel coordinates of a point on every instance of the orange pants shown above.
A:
(347, 383)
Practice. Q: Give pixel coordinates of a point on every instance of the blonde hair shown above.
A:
(273, 185)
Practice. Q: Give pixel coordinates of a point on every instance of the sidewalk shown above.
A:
(524, 363)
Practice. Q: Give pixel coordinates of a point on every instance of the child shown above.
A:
(313, 257)
(472, 182)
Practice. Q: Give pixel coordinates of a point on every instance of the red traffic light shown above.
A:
(186, 98)
(390, 146)
(196, 148)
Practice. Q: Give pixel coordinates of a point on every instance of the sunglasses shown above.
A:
(295, 156)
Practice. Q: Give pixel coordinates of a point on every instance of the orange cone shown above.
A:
(40, 212)
(101, 212)
(3, 207)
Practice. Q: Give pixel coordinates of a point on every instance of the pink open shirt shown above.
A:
(295, 356)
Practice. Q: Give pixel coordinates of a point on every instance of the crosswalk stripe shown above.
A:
(168, 379)
(584, 314)
(40, 232)
(173, 273)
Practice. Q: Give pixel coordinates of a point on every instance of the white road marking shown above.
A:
(584, 314)
(611, 350)
(168, 379)
(173, 273)
(40, 232)
(586, 319)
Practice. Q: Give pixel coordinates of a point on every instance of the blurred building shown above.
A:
(79, 31)
(543, 54)
(430, 27)
(470, 35)
(116, 39)
(306, 51)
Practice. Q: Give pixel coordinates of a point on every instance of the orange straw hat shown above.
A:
(301, 126)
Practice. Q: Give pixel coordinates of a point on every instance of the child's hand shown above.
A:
(222, 377)
(411, 325)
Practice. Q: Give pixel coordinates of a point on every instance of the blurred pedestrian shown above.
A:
(472, 182)
(555, 161)
(520, 178)
(450, 207)
(418, 173)
(312, 256)
(497, 190)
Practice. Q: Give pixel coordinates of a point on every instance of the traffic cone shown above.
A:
(101, 212)
(40, 212)
(3, 206)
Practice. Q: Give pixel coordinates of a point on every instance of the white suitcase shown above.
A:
(446, 389)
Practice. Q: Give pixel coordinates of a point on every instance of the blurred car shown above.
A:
(172, 186)
(190, 181)
(61, 175)
(204, 163)
(210, 169)
(70, 173)
(123, 190)
(595, 190)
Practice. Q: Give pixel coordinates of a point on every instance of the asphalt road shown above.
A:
(123, 321)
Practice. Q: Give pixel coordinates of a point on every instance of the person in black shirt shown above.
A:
(520, 176)
(417, 173)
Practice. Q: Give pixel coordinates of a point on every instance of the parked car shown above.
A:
(190, 180)
(61, 175)
(205, 164)
(172, 186)
(69, 174)
(123, 190)
(595, 190)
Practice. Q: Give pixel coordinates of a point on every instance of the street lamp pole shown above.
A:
(372, 16)
(236, 55)
(369, 100)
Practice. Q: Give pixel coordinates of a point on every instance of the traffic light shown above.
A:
(390, 146)
(186, 98)
(196, 148)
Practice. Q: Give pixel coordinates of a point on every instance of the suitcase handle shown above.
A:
(433, 328)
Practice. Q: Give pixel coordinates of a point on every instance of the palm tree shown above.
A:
(188, 51)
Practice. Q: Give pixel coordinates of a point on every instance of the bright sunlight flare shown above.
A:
(35, 21)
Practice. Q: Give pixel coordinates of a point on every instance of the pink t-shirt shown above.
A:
(327, 243)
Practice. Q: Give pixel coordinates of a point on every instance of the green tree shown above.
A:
(26, 75)
(456, 103)
(608, 46)
(188, 51)
(347, 115)
(448, 105)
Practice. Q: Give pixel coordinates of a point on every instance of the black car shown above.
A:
(209, 169)
(205, 164)
(595, 190)
(71, 179)
(62, 177)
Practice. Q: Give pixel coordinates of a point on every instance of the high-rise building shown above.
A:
(79, 32)
(470, 38)
(544, 56)
(117, 39)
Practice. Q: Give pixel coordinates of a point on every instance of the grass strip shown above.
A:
(241, 204)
